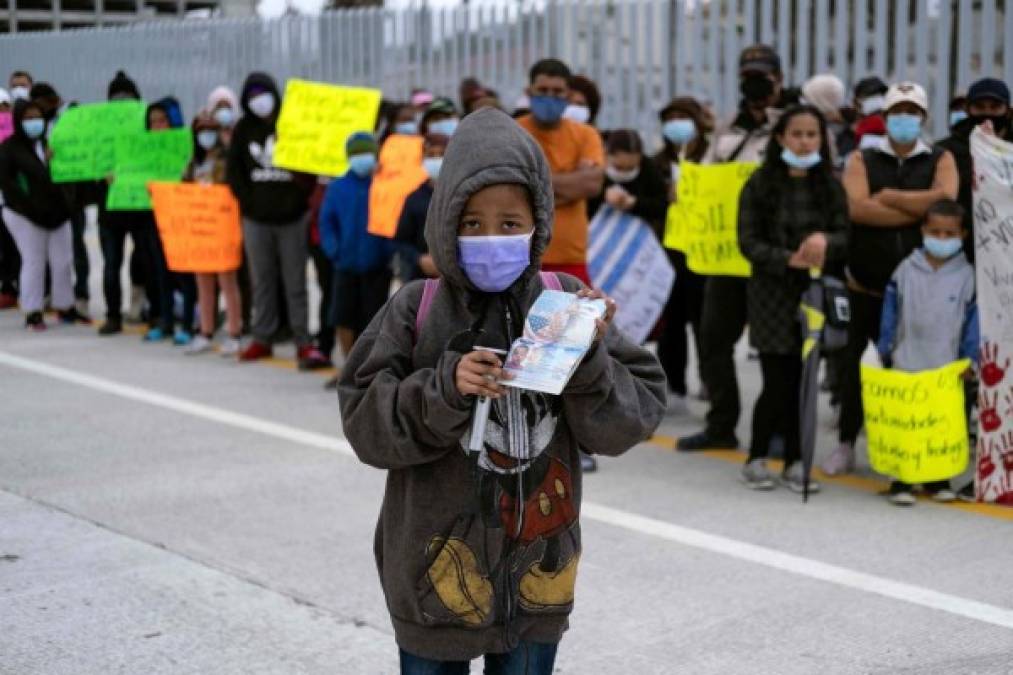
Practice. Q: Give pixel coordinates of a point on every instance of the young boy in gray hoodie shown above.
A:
(478, 552)
(930, 317)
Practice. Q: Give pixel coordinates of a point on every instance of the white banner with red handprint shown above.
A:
(993, 242)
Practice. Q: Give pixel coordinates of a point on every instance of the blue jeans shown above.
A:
(528, 658)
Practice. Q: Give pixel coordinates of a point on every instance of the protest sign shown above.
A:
(993, 242)
(399, 174)
(703, 222)
(6, 126)
(145, 157)
(315, 121)
(916, 422)
(628, 264)
(199, 226)
(84, 139)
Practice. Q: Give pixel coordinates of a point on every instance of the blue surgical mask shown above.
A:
(548, 109)
(445, 127)
(362, 165)
(225, 117)
(904, 128)
(679, 132)
(494, 263)
(207, 139)
(432, 165)
(943, 249)
(956, 117)
(800, 161)
(34, 128)
(407, 128)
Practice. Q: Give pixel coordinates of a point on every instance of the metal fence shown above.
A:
(640, 52)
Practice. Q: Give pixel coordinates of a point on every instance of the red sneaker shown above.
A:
(8, 301)
(311, 358)
(256, 351)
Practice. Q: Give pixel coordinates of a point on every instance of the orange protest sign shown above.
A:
(199, 226)
(400, 173)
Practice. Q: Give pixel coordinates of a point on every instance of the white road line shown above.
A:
(785, 562)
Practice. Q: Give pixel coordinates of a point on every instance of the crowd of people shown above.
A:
(850, 185)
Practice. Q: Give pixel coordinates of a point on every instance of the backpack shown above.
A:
(549, 280)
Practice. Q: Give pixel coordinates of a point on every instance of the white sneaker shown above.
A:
(944, 496)
(229, 348)
(198, 345)
(792, 478)
(841, 460)
(756, 476)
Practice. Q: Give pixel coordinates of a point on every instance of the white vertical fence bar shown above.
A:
(749, 22)
(729, 66)
(841, 18)
(881, 25)
(987, 43)
(802, 34)
(922, 47)
(940, 97)
(713, 55)
(860, 57)
(679, 38)
(966, 30)
(1007, 42)
(766, 22)
(900, 40)
(784, 34)
(821, 54)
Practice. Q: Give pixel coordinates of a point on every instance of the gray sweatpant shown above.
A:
(39, 246)
(278, 251)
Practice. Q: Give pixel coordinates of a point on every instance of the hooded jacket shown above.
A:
(24, 177)
(344, 227)
(476, 552)
(266, 193)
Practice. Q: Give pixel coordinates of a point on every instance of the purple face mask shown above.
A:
(493, 263)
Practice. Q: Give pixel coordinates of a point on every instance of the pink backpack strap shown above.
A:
(428, 295)
(551, 281)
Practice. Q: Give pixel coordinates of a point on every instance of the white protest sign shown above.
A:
(627, 263)
(993, 243)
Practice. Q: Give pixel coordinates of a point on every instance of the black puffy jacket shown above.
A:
(24, 178)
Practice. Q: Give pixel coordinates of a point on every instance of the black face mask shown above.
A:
(756, 88)
(999, 122)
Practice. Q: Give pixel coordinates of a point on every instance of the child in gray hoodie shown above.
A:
(478, 553)
(930, 317)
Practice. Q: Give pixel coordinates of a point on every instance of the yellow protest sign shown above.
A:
(199, 226)
(916, 422)
(399, 174)
(703, 222)
(315, 121)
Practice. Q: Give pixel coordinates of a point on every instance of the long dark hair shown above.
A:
(773, 173)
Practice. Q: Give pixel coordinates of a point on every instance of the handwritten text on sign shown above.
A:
(84, 139)
(315, 121)
(703, 222)
(199, 226)
(400, 173)
(916, 422)
(144, 157)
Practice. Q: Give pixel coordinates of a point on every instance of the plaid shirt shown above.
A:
(768, 238)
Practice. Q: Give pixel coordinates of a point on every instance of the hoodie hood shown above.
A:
(170, 106)
(488, 148)
(220, 94)
(261, 81)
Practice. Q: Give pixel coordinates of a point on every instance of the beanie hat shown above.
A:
(122, 84)
(825, 92)
(360, 143)
(220, 94)
(989, 87)
(42, 90)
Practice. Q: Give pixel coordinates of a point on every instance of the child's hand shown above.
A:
(478, 374)
(968, 375)
(610, 310)
(814, 249)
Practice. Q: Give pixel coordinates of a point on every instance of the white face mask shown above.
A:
(262, 105)
(617, 176)
(873, 104)
(21, 93)
(577, 113)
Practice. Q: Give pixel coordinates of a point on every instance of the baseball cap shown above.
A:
(760, 58)
(870, 86)
(906, 92)
(989, 87)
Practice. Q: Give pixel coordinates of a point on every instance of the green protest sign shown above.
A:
(83, 140)
(141, 158)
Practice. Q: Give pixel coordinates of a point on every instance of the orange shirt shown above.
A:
(565, 147)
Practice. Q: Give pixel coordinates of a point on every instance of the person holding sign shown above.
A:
(930, 317)
(792, 217)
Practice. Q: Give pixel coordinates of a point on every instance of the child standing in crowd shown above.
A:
(10, 260)
(275, 205)
(930, 317)
(362, 261)
(38, 215)
(493, 536)
(632, 182)
(208, 168)
(440, 118)
(793, 216)
(223, 106)
(415, 261)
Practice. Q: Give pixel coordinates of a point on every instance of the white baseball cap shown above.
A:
(906, 92)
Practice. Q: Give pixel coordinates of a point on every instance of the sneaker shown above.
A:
(756, 476)
(135, 314)
(311, 358)
(966, 494)
(181, 338)
(588, 464)
(8, 301)
(703, 441)
(199, 345)
(677, 404)
(841, 460)
(901, 495)
(229, 347)
(111, 327)
(944, 496)
(155, 334)
(792, 478)
(72, 316)
(256, 351)
(35, 323)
